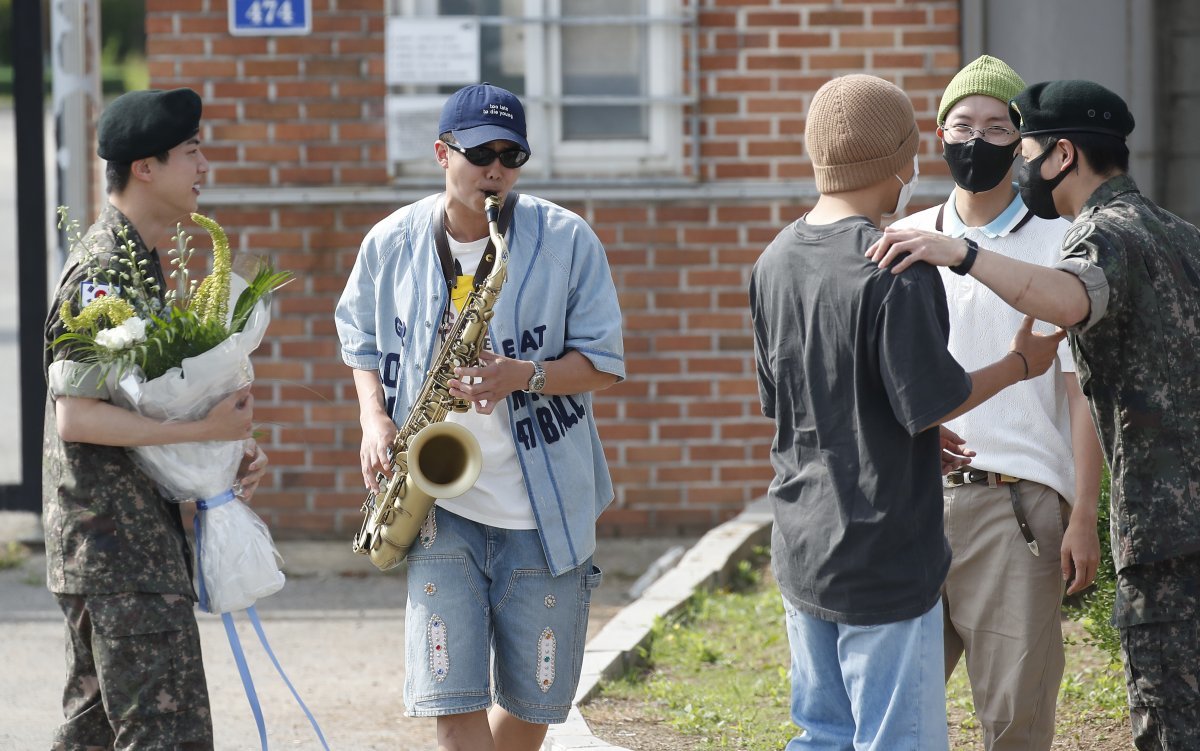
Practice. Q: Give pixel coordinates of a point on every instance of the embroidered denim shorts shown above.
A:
(487, 621)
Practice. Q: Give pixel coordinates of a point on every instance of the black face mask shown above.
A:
(1036, 191)
(977, 165)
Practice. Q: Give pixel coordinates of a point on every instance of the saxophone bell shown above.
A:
(444, 460)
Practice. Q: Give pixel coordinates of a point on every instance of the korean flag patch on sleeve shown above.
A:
(89, 290)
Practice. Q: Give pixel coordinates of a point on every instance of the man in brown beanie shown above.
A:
(1037, 459)
(853, 367)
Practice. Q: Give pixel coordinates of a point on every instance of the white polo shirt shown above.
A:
(1025, 430)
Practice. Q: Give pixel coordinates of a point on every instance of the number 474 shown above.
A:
(270, 12)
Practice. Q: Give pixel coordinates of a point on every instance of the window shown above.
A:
(601, 81)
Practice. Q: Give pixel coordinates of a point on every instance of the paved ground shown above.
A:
(336, 628)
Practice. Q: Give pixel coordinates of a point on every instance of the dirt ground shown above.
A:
(640, 726)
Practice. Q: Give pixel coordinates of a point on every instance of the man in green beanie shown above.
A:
(1128, 286)
(853, 368)
(117, 556)
(1037, 459)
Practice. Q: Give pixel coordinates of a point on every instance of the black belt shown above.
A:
(961, 477)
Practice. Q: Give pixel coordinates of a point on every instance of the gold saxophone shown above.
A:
(432, 458)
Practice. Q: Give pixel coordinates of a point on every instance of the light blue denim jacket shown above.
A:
(559, 296)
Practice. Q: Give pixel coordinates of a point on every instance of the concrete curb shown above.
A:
(610, 653)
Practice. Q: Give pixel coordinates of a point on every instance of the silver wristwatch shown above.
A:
(537, 381)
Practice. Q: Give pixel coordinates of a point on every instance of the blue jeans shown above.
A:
(487, 620)
(868, 688)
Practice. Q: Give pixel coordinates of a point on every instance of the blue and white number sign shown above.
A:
(270, 17)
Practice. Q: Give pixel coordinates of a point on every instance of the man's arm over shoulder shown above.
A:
(1048, 294)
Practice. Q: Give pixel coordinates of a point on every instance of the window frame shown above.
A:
(659, 155)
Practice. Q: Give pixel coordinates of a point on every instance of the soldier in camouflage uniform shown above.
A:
(1128, 286)
(117, 556)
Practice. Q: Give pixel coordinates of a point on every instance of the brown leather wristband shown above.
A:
(1024, 363)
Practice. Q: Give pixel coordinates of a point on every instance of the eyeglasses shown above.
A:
(993, 134)
(482, 156)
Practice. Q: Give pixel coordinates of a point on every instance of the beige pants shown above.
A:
(1001, 606)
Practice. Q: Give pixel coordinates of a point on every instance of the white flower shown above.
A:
(137, 328)
(114, 338)
(123, 336)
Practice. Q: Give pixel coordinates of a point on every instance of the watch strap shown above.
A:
(969, 260)
(537, 381)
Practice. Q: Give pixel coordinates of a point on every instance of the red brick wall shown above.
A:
(687, 445)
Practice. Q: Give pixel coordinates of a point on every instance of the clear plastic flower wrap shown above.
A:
(237, 559)
(188, 471)
(240, 562)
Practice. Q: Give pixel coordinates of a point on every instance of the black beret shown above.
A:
(1070, 107)
(141, 124)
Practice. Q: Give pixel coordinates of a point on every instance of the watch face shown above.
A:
(538, 380)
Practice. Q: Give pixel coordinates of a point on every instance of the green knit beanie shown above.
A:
(986, 75)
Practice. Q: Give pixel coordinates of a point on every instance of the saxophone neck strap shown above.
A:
(489, 254)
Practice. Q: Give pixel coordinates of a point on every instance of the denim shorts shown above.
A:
(486, 621)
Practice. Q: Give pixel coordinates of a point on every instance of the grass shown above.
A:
(12, 555)
(718, 672)
(717, 676)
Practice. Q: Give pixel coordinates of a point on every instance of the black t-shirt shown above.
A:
(852, 364)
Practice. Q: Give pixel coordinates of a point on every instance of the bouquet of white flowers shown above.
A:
(173, 362)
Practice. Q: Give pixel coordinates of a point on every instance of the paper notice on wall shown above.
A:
(412, 123)
(432, 51)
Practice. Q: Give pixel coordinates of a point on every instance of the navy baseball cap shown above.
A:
(480, 113)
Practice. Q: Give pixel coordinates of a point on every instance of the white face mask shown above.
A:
(906, 189)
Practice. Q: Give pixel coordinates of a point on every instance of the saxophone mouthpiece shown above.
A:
(491, 206)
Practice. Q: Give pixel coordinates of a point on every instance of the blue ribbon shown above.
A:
(204, 505)
(239, 657)
(235, 644)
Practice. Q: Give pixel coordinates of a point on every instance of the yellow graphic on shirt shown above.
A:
(462, 288)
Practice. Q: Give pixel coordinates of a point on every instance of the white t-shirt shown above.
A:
(1025, 430)
(499, 497)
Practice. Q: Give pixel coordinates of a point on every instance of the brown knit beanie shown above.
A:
(860, 130)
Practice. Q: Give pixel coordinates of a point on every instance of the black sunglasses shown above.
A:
(482, 156)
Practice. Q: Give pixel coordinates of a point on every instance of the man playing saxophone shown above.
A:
(503, 570)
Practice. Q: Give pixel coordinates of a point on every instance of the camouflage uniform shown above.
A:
(1138, 356)
(118, 562)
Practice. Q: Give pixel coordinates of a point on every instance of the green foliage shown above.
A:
(721, 669)
(266, 280)
(1094, 610)
(718, 672)
(123, 45)
(6, 32)
(13, 554)
(146, 333)
(123, 28)
(169, 343)
(1100, 689)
